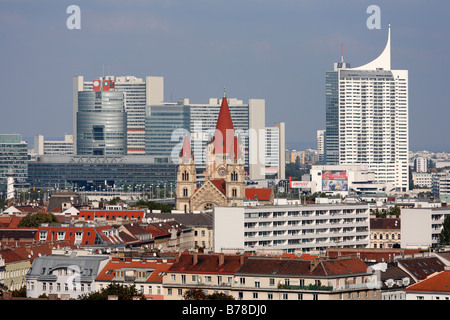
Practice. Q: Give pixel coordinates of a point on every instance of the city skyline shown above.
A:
(277, 51)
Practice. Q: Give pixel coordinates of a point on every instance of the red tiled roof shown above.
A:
(421, 268)
(111, 215)
(207, 263)
(220, 184)
(108, 272)
(439, 282)
(385, 223)
(370, 254)
(258, 193)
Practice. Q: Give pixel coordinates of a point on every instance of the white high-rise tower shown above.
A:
(367, 118)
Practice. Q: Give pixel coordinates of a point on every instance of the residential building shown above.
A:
(13, 162)
(385, 233)
(275, 151)
(171, 235)
(422, 179)
(213, 273)
(393, 280)
(200, 223)
(68, 276)
(261, 278)
(145, 274)
(292, 229)
(433, 288)
(420, 227)
(138, 93)
(42, 146)
(111, 216)
(440, 183)
(367, 118)
(421, 164)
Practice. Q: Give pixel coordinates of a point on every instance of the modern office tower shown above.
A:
(248, 121)
(139, 93)
(166, 126)
(13, 160)
(42, 146)
(275, 151)
(367, 118)
(321, 145)
(101, 123)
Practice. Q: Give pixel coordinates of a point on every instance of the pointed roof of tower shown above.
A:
(223, 137)
(186, 151)
(383, 60)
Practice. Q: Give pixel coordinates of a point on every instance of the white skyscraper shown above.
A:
(367, 118)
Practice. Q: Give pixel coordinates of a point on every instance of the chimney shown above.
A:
(195, 258)
(221, 259)
(241, 259)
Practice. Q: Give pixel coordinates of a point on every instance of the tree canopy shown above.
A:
(122, 292)
(36, 219)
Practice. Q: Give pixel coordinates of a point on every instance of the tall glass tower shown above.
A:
(101, 123)
(367, 118)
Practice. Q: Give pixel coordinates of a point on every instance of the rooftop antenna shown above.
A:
(342, 53)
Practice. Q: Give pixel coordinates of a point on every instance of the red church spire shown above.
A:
(186, 151)
(224, 134)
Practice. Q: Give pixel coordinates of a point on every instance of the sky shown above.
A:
(257, 49)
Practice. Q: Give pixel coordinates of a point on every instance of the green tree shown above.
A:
(35, 220)
(119, 290)
(22, 292)
(194, 294)
(444, 236)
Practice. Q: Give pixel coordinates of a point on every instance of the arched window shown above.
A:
(185, 192)
(185, 176)
(234, 176)
(234, 192)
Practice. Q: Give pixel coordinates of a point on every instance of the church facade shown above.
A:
(225, 175)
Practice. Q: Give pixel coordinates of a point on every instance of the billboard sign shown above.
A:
(334, 180)
(299, 184)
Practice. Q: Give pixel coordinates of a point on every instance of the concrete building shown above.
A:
(275, 151)
(291, 229)
(138, 94)
(321, 146)
(420, 227)
(422, 179)
(356, 179)
(440, 183)
(42, 146)
(367, 118)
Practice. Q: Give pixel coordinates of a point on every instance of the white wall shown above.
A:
(415, 228)
(228, 228)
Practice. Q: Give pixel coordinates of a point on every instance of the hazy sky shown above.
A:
(277, 50)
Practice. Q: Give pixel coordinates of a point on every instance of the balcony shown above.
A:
(312, 287)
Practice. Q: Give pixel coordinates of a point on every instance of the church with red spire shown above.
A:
(225, 174)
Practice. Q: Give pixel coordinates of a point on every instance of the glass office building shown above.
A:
(14, 157)
(165, 128)
(96, 172)
(101, 123)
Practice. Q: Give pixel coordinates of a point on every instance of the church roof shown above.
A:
(220, 184)
(186, 151)
(258, 193)
(224, 134)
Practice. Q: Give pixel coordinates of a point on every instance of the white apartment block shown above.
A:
(440, 183)
(370, 114)
(275, 151)
(138, 94)
(422, 179)
(291, 229)
(420, 227)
